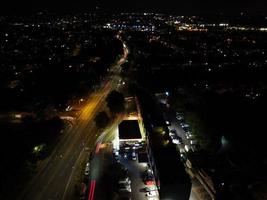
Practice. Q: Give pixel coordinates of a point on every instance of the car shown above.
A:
(187, 129)
(187, 148)
(116, 152)
(150, 188)
(173, 131)
(184, 125)
(87, 169)
(69, 108)
(188, 135)
(172, 135)
(177, 141)
(124, 187)
(125, 180)
(151, 193)
(148, 177)
(179, 116)
(183, 157)
(148, 171)
(195, 147)
(116, 155)
(134, 156)
(168, 123)
(125, 155)
(193, 142)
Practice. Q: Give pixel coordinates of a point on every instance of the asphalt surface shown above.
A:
(61, 171)
(197, 192)
(135, 173)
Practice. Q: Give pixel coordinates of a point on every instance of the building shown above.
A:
(129, 132)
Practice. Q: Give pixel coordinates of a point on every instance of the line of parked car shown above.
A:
(150, 189)
(124, 185)
(127, 151)
(175, 138)
(193, 144)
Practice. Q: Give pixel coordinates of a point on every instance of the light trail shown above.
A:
(92, 190)
(97, 148)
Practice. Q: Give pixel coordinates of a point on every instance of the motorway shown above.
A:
(56, 179)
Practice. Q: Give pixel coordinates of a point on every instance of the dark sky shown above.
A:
(173, 6)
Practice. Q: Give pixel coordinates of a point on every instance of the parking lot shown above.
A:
(138, 176)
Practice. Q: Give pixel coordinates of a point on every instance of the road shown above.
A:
(198, 191)
(56, 179)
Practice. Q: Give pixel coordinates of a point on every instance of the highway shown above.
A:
(61, 171)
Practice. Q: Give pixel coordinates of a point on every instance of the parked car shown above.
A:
(184, 125)
(134, 156)
(148, 177)
(151, 193)
(193, 142)
(125, 155)
(177, 140)
(179, 116)
(188, 135)
(172, 134)
(124, 187)
(125, 180)
(195, 147)
(150, 188)
(168, 123)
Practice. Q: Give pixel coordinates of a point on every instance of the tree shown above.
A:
(115, 102)
(102, 119)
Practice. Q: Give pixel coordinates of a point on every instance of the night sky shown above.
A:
(165, 6)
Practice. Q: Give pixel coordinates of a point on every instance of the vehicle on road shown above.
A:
(195, 147)
(82, 191)
(87, 169)
(69, 108)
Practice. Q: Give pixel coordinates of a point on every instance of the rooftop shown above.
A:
(129, 129)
